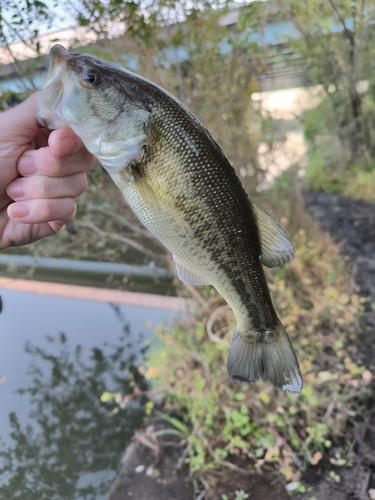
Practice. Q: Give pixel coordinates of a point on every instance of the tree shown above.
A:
(215, 75)
(210, 65)
(337, 39)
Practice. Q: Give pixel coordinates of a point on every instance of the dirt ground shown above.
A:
(352, 225)
(148, 472)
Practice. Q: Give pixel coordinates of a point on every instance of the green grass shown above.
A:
(255, 425)
(228, 426)
(348, 179)
(331, 167)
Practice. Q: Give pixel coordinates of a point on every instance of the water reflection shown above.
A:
(71, 446)
(57, 439)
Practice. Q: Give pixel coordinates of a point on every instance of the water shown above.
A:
(57, 357)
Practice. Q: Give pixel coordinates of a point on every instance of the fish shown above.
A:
(182, 187)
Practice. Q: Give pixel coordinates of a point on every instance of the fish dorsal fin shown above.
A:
(276, 247)
(187, 275)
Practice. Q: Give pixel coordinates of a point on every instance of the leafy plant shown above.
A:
(334, 477)
(251, 426)
(241, 495)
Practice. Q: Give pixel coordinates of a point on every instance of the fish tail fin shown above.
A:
(271, 358)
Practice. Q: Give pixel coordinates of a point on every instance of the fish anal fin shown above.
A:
(276, 247)
(271, 358)
(187, 275)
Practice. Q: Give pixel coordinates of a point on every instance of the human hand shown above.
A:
(41, 172)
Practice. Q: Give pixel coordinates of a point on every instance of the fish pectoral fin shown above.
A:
(276, 248)
(147, 193)
(187, 275)
(271, 358)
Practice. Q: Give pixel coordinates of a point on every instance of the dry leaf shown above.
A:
(367, 377)
(316, 458)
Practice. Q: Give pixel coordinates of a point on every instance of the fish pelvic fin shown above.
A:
(186, 275)
(269, 356)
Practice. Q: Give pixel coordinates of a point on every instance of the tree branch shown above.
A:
(212, 320)
(122, 220)
(123, 239)
(362, 38)
(316, 39)
(347, 31)
(227, 464)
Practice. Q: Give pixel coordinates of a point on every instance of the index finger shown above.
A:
(64, 142)
(69, 157)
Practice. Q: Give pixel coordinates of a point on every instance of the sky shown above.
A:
(63, 29)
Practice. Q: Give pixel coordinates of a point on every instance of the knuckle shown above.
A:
(88, 159)
(52, 166)
(60, 209)
(84, 159)
(80, 183)
(71, 209)
(38, 187)
(48, 209)
(45, 188)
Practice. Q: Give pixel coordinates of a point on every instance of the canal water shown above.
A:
(58, 355)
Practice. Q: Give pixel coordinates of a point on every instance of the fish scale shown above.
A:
(182, 187)
(216, 214)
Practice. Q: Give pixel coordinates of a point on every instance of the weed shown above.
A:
(329, 168)
(334, 477)
(241, 495)
(257, 425)
(296, 487)
(224, 424)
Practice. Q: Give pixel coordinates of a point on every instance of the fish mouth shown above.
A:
(56, 89)
(60, 60)
(58, 57)
(56, 68)
(58, 54)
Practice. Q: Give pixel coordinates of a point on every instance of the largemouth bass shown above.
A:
(182, 187)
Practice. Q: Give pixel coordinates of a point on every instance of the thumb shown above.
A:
(21, 122)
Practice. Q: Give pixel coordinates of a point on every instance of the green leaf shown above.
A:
(169, 432)
(173, 421)
(240, 396)
(107, 396)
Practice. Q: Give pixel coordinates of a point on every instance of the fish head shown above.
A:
(101, 102)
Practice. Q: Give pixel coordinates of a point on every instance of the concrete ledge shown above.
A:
(98, 294)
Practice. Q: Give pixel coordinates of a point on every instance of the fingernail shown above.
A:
(16, 189)
(18, 211)
(26, 165)
(66, 145)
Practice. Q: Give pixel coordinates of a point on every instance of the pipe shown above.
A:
(85, 266)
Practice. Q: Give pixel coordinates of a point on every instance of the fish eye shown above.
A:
(91, 78)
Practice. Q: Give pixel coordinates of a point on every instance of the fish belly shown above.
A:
(170, 227)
